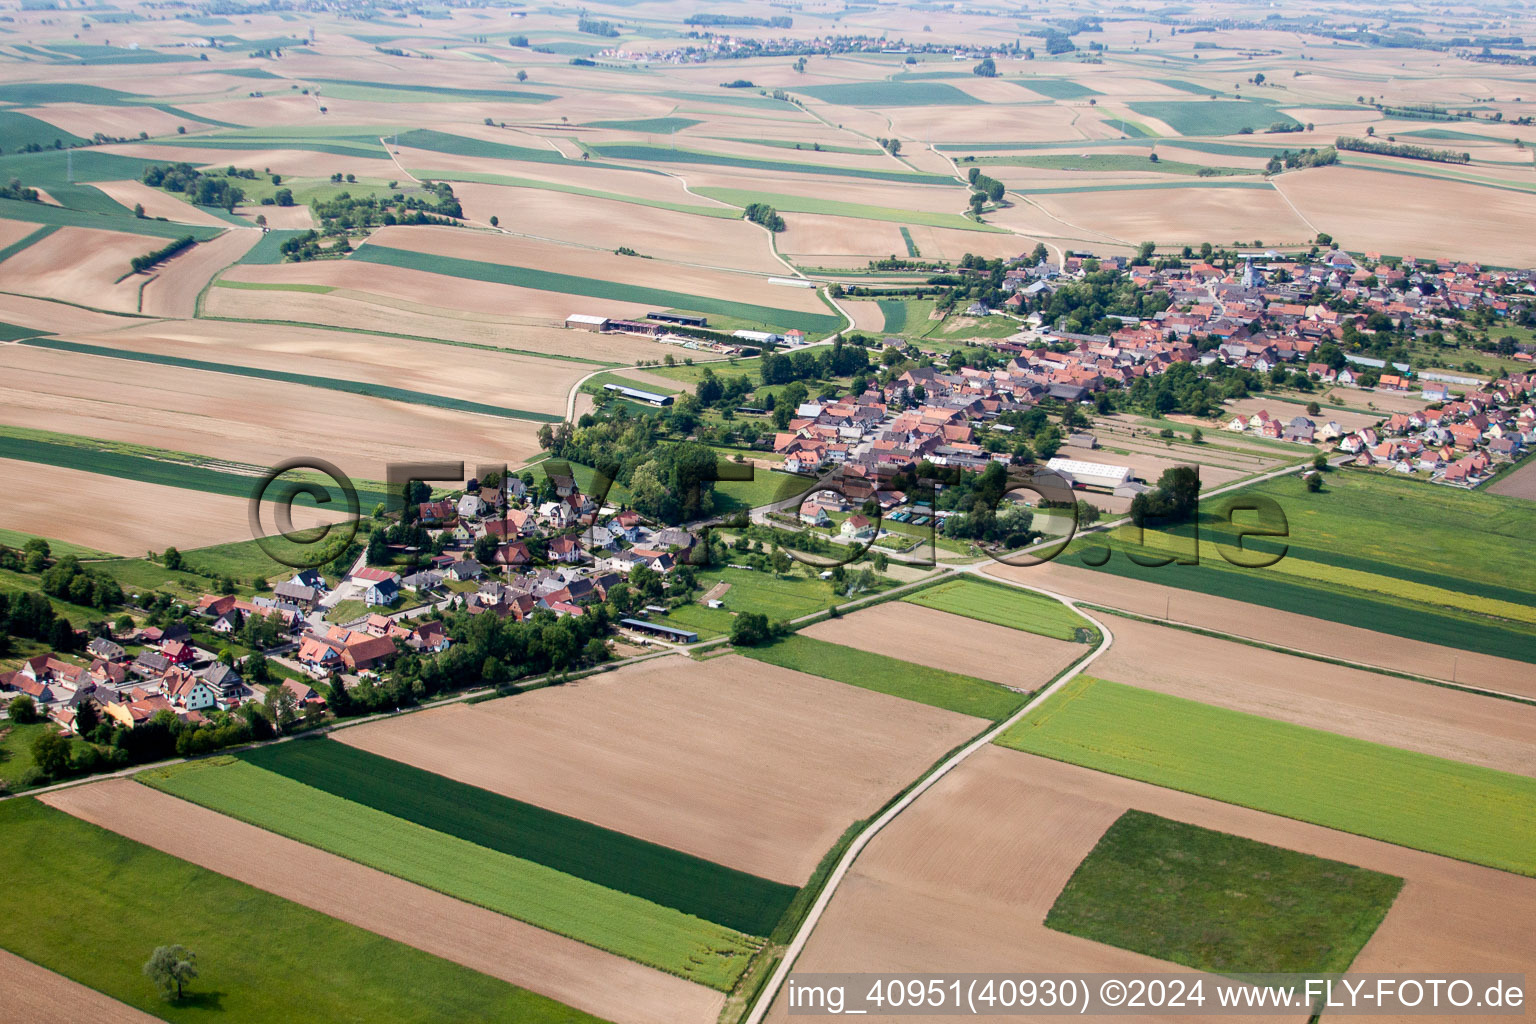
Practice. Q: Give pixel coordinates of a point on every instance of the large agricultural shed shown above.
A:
(1092, 474)
(636, 395)
(681, 636)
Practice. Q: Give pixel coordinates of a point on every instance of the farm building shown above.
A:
(586, 322)
(686, 319)
(1091, 474)
(636, 395)
(681, 636)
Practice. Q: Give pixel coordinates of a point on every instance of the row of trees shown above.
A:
(1444, 156)
(157, 256)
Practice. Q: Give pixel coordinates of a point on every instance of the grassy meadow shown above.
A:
(1006, 606)
(1219, 902)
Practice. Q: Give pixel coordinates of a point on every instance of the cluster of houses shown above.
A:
(1262, 317)
(169, 673)
(1460, 443)
(587, 551)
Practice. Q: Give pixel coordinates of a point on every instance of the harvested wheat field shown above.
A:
(377, 282)
(1024, 661)
(963, 879)
(35, 995)
(602, 266)
(1183, 216)
(1398, 214)
(227, 416)
(1519, 484)
(1282, 628)
(529, 383)
(1382, 709)
(42, 315)
(751, 766)
(158, 203)
(12, 231)
(609, 224)
(82, 265)
(177, 281)
(392, 314)
(576, 974)
(124, 517)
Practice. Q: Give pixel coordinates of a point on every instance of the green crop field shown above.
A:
(569, 284)
(671, 155)
(20, 130)
(648, 125)
(1465, 581)
(895, 313)
(908, 680)
(275, 286)
(1103, 162)
(1182, 86)
(363, 146)
(807, 147)
(16, 332)
(16, 539)
(1219, 902)
(606, 858)
(66, 217)
(906, 239)
(631, 927)
(890, 94)
(1143, 186)
(1057, 88)
(836, 208)
(461, 145)
(258, 955)
(1212, 117)
(1398, 796)
(352, 387)
(1006, 606)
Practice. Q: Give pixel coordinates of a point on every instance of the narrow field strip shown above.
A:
(908, 680)
(1425, 803)
(1002, 605)
(626, 925)
(610, 859)
(25, 242)
(718, 212)
(65, 217)
(837, 208)
(259, 955)
(351, 387)
(569, 284)
(103, 461)
(662, 154)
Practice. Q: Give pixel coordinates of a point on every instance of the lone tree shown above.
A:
(750, 629)
(171, 968)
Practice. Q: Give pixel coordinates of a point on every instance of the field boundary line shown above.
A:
(792, 952)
